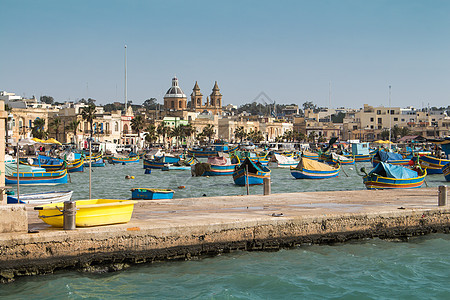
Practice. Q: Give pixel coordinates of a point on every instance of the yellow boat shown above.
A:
(93, 212)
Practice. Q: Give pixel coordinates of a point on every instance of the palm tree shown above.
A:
(55, 123)
(150, 135)
(162, 130)
(208, 131)
(239, 133)
(312, 137)
(137, 124)
(38, 129)
(177, 133)
(88, 114)
(73, 127)
(189, 130)
(256, 136)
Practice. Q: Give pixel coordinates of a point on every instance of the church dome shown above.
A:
(175, 91)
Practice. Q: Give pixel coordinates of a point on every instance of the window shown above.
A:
(378, 112)
(116, 126)
(172, 104)
(380, 121)
(371, 126)
(379, 127)
(371, 119)
(403, 120)
(392, 112)
(395, 119)
(355, 127)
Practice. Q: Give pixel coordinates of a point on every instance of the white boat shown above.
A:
(281, 161)
(41, 198)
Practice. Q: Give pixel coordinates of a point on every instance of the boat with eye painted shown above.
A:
(34, 176)
(251, 172)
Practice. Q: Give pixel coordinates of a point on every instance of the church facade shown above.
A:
(176, 100)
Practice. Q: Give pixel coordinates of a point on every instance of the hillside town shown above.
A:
(182, 122)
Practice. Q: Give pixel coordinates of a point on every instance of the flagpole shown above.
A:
(126, 102)
(390, 125)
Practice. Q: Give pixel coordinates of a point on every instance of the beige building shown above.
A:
(175, 99)
(21, 121)
(213, 102)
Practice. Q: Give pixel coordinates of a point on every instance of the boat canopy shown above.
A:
(387, 156)
(309, 164)
(11, 168)
(219, 160)
(281, 159)
(393, 171)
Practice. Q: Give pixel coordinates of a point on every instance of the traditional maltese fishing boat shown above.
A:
(34, 176)
(311, 169)
(251, 173)
(216, 166)
(282, 161)
(124, 160)
(387, 176)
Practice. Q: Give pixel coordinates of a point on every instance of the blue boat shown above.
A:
(389, 157)
(250, 172)
(53, 163)
(387, 176)
(216, 166)
(311, 169)
(160, 162)
(124, 160)
(434, 165)
(34, 176)
(98, 163)
(151, 194)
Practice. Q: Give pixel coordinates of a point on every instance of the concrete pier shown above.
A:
(184, 228)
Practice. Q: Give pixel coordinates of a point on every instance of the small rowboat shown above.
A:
(41, 198)
(311, 169)
(93, 212)
(387, 176)
(151, 194)
(250, 172)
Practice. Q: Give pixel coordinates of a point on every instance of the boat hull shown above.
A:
(151, 194)
(38, 178)
(374, 182)
(313, 174)
(220, 170)
(240, 178)
(90, 213)
(446, 171)
(433, 165)
(41, 198)
(124, 160)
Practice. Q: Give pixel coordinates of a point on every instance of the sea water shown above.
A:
(369, 269)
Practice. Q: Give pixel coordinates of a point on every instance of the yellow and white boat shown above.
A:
(93, 212)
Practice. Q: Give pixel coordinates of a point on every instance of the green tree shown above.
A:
(88, 114)
(239, 133)
(299, 136)
(178, 133)
(385, 134)
(309, 105)
(405, 131)
(73, 127)
(47, 99)
(54, 124)
(150, 103)
(38, 129)
(395, 132)
(255, 136)
(208, 131)
(312, 137)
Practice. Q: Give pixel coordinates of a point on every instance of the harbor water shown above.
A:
(109, 182)
(369, 269)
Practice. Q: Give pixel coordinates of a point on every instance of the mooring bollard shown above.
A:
(266, 185)
(69, 214)
(442, 195)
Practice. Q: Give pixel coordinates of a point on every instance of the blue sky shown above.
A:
(291, 50)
